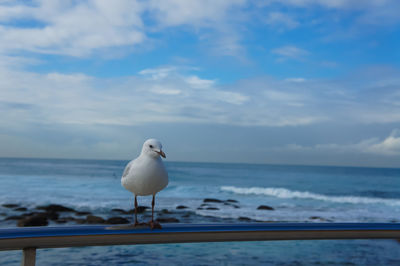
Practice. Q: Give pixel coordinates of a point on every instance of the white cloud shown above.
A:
(173, 72)
(55, 102)
(228, 43)
(217, 23)
(168, 94)
(390, 146)
(71, 28)
(290, 52)
(336, 4)
(85, 27)
(232, 97)
(281, 20)
(57, 98)
(192, 12)
(285, 98)
(16, 62)
(59, 78)
(199, 83)
(158, 73)
(165, 91)
(341, 19)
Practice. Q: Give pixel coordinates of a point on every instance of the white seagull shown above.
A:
(146, 175)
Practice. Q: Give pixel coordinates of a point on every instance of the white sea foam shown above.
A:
(290, 194)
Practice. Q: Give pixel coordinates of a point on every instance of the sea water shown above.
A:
(297, 194)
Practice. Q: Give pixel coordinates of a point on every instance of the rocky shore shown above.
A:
(12, 214)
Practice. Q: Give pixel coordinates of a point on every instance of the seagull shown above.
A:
(146, 175)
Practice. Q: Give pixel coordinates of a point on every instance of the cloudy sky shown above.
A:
(313, 82)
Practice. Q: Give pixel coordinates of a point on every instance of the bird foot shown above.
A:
(155, 225)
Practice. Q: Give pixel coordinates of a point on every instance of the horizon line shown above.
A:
(207, 162)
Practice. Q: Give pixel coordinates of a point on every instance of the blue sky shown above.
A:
(287, 82)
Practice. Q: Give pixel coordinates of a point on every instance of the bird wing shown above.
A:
(127, 169)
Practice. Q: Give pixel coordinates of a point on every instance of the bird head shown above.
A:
(153, 148)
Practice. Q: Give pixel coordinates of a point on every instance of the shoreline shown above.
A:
(56, 214)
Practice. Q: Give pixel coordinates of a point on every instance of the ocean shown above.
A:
(296, 194)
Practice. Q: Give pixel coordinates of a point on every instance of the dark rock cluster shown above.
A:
(211, 204)
(59, 214)
(265, 207)
(42, 215)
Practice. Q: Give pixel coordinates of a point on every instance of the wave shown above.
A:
(290, 194)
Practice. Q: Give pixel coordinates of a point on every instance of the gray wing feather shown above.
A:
(127, 169)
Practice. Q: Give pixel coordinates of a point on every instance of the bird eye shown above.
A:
(151, 146)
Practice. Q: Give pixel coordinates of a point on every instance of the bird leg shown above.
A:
(136, 220)
(136, 206)
(153, 224)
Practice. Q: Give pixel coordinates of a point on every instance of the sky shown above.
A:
(314, 82)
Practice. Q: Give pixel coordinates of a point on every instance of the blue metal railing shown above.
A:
(31, 238)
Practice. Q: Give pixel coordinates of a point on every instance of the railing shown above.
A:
(32, 238)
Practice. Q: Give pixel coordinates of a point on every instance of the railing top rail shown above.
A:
(85, 230)
(87, 235)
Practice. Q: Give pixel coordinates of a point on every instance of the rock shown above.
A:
(10, 205)
(117, 220)
(15, 217)
(51, 215)
(181, 207)
(82, 213)
(30, 213)
(232, 201)
(242, 218)
(212, 200)
(80, 221)
(55, 208)
(265, 207)
(21, 209)
(230, 204)
(70, 219)
(35, 220)
(48, 215)
(167, 220)
(165, 211)
(212, 209)
(120, 211)
(140, 209)
(317, 218)
(92, 219)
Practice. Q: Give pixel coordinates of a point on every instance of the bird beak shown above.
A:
(161, 153)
